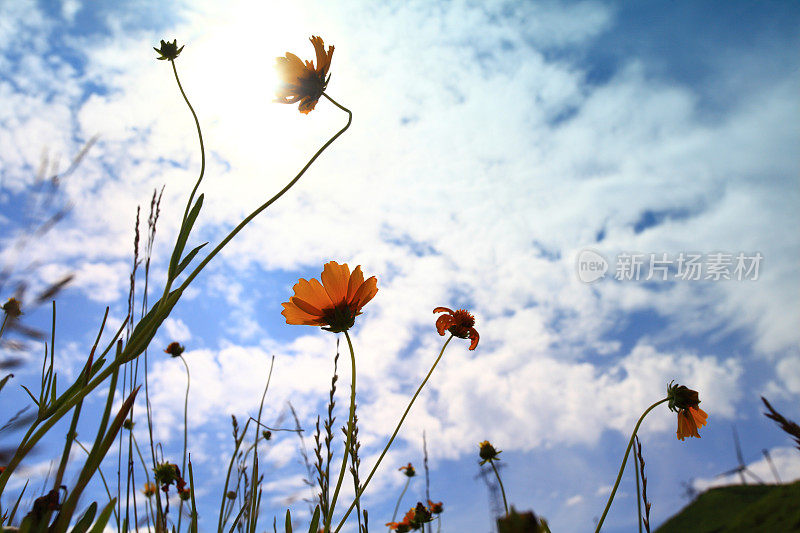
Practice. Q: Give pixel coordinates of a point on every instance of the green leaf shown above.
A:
(288, 521)
(31, 395)
(183, 236)
(53, 390)
(3, 381)
(188, 259)
(83, 523)
(16, 505)
(314, 527)
(102, 520)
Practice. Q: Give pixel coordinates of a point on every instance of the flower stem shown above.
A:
(624, 460)
(200, 137)
(502, 490)
(329, 518)
(397, 506)
(391, 440)
(168, 284)
(269, 202)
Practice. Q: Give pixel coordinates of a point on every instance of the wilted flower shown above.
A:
(301, 82)
(334, 303)
(266, 434)
(487, 452)
(689, 420)
(12, 308)
(685, 402)
(149, 489)
(174, 349)
(408, 470)
(435, 508)
(184, 493)
(128, 424)
(460, 323)
(168, 50)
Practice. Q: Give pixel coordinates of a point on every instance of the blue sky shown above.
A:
(491, 144)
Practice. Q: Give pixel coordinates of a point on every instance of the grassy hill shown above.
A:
(771, 508)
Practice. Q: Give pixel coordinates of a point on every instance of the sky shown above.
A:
(501, 157)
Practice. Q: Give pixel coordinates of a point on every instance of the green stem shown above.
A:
(202, 160)
(397, 505)
(391, 440)
(625, 460)
(502, 490)
(329, 518)
(269, 202)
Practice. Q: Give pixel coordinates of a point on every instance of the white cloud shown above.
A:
(177, 330)
(478, 164)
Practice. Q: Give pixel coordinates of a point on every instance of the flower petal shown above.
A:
(335, 278)
(356, 280)
(443, 310)
(290, 68)
(474, 337)
(444, 322)
(312, 292)
(699, 416)
(296, 316)
(365, 293)
(306, 307)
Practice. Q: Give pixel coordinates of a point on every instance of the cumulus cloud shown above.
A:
(483, 156)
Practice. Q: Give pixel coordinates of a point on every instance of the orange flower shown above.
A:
(335, 303)
(460, 323)
(685, 402)
(689, 420)
(408, 470)
(303, 82)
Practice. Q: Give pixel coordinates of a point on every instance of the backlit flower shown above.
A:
(685, 402)
(435, 508)
(689, 420)
(460, 323)
(168, 50)
(303, 82)
(335, 303)
(408, 470)
(487, 452)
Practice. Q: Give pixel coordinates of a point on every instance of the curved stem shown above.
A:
(502, 490)
(269, 202)
(624, 460)
(199, 136)
(168, 285)
(348, 440)
(397, 505)
(396, 430)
